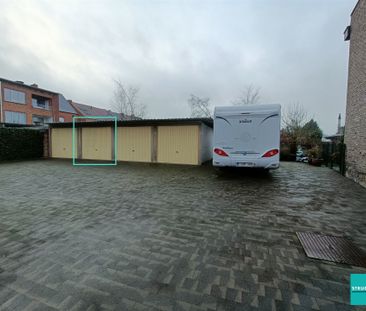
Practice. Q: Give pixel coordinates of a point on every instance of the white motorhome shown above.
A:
(247, 136)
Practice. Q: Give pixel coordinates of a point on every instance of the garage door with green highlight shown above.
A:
(96, 143)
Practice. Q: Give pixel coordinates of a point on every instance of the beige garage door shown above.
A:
(178, 144)
(61, 143)
(96, 143)
(134, 144)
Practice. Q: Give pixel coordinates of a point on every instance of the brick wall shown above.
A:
(66, 115)
(355, 131)
(27, 107)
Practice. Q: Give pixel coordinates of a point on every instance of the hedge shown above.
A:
(18, 144)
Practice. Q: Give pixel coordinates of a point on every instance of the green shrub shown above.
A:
(17, 144)
(314, 153)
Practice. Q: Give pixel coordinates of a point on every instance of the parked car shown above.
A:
(300, 157)
(304, 159)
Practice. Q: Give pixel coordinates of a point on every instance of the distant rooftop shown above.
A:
(65, 105)
(33, 86)
(88, 110)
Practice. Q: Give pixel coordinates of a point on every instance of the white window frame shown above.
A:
(13, 114)
(35, 105)
(14, 96)
(50, 120)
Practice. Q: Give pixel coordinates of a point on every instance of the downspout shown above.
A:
(1, 104)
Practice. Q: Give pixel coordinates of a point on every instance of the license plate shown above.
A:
(245, 164)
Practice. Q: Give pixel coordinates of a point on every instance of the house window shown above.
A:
(40, 102)
(40, 120)
(61, 119)
(15, 117)
(14, 96)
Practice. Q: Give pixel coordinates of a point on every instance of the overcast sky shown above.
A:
(293, 50)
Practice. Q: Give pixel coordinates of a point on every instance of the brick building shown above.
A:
(66, 110)
(87, 110)
(28, 104)
(355, 128)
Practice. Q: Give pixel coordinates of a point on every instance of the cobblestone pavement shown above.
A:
(150, 237)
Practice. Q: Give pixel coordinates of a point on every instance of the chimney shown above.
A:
(34, 85)
(339, 124)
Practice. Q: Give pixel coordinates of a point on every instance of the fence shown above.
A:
(334, 156)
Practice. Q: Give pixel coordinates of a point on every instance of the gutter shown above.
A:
(354, 9)
(1, 105)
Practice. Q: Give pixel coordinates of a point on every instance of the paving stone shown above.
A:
(38, 306)
(283, 305)
(188, 283)
(164, 237)
(19, 302)
(217, 291)
(233, 294)
(41, 292)
(6, 294)
(189, 297)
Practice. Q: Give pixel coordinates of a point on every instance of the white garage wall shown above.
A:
(206, 143)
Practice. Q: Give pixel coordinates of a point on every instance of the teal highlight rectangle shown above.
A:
(358, 289)
(74, 141)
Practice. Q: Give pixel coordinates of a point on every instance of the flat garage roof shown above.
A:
(143, 122)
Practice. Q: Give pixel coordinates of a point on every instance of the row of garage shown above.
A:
(177, 141)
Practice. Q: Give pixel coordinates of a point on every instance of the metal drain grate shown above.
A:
(331, 248)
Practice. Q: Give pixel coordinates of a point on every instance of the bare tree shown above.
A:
(249, 96)
(125, 101)
(294, 116)
(200, 107)
(294, 119)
